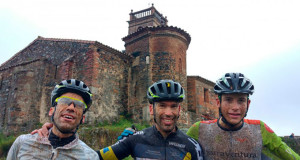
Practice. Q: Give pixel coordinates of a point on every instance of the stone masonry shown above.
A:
(118, 80)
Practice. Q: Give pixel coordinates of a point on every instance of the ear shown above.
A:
(83, 118)
(151, 109)
(218, 101)
(51, 111)
(249, 101)
(179, 107)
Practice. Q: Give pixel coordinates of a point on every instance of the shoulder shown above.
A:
(263, 126)
(252, 121)
(86, 149)
(23, 140)
(26, 137)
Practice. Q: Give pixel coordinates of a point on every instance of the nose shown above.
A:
(71, 107)
(168, 111)
(235, 105)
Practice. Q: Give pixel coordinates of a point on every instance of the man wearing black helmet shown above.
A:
(163, 140)
(70, 100)
(233, 137)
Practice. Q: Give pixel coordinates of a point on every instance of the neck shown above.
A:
(224, 125)
(59, 134)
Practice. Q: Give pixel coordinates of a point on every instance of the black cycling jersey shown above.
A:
(150, 144)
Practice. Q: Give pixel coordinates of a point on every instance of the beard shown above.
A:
(64, 127)
(166, 123)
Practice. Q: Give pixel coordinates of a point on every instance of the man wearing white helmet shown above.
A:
(70, 99)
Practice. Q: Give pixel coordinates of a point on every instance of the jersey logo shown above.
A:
(241, 139)
(105, 150)
(176, 144)
(188, 156)
(268, 129)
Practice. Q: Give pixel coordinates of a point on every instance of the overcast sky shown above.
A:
(260, 38)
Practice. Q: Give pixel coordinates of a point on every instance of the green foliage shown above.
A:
(5, 144)
(121, 124)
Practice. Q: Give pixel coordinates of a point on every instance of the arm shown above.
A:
(197, 152)
(274, 144)
(194, 131)
(120, 150)
(43, 132)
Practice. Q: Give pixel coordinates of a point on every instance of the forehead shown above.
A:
(235, 95)
(167, 103)
(72, 95)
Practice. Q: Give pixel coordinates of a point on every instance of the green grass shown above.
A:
(5, 144)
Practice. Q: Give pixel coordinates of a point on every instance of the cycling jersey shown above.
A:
(248, 142)
(34, 147)
(150, 144)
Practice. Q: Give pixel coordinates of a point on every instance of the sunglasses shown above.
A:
(67, 101)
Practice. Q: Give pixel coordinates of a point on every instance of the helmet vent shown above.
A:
(153, 90)
(230, 82)
(160, 88)
(77, 83)
(252, 87)
(181, 91)
(176, 88)
(240, 83)
(246, 84)
(84, 86)
(69, 81)
(223, 84)
(169, 90)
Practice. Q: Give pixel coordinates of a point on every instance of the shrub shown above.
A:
(5, 144)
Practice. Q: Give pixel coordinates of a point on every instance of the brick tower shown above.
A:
(159, 52)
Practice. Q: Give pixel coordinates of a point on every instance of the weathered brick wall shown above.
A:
(20, 96)
(138, 77)
(202, 104)
(160, 53)
(109, 85)
(26, 85)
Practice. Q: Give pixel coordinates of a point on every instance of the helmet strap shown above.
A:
(154, 112)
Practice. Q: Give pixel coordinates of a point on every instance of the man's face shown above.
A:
(67, 116)
(166, 115)
(234, 107)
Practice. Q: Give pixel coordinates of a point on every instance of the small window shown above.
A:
(206, 97)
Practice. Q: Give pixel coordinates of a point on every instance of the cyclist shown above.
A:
(163, 140)
(70, 99)
(233, 137)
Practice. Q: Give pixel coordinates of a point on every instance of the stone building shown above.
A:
(118, 80)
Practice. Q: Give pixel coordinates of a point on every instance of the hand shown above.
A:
(43, 132)
(127, 132)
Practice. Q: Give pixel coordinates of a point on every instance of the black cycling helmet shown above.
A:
(234, 83)
(74, 86)
(165, 90)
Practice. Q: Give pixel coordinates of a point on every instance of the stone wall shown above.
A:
(20, 96)
(201, 98)
(159, 53)
(29, 77)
